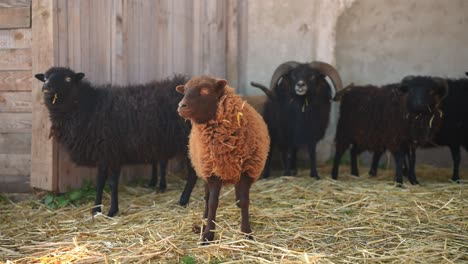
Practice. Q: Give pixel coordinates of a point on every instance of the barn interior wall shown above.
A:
(380, 42)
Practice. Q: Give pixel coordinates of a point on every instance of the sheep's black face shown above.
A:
(422, 101)
(201, 96)
(303, 79)
(58, 86)
(423, 93)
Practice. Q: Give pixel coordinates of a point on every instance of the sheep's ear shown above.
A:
(79, 76)
(220, 84)
(40, 77)
(180, 89)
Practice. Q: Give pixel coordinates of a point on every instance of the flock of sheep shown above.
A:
(228, 142)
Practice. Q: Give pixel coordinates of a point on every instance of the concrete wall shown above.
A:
(380, 42)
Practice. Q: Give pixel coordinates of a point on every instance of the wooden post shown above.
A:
(43, 149)
(232, 47)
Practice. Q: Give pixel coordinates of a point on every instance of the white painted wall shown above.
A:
(379, 42)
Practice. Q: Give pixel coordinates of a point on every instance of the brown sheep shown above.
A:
(228, 143)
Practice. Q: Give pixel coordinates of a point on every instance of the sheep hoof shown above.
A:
(161, 190)
(183, 201)
(112, 213)
(456, 181)
(315, 176)
(372, 174)
(96, 209)
(414, 182)
(207, 238)
(250, 237)
(399, 185)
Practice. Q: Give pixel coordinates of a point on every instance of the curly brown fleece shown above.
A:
(235, 143)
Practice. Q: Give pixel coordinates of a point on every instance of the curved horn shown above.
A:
(282, 70)
(443, 83)
(330, 71)
(262, 87)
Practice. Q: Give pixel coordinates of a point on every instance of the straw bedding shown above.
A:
(294, 219)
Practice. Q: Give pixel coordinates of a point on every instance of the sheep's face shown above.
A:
(423, 93)
(58, 86)
(201, 96)
(423, 96)
(304, 78)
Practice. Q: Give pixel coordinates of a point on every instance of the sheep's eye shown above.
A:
(204, 91)
(68, 79)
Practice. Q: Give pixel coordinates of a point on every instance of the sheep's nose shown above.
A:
(301, 84)
(181, 105)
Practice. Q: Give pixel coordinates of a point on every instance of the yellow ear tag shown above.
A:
(239, 115)
(55, 98)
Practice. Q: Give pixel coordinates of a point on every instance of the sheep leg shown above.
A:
(290, 161)
(411, 167)
(313, 160)
(163, 170)
(375, 163)
(154, 174)
(243, 201)
(196, 229)
(294, 161)
(354, 152)
(339, 150)
(214, 186)
(455, 150)
(399, 157)
(100, 183)
(191, 181)
(114, 184)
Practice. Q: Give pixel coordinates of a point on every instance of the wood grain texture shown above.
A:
(15, 164)
(15, 59)
(15, 102)
(43, 150)
(15, 3)
(15, 17)
(15, 38)
(15, 80)
(14, 183)
(15, 143)
(15, 122)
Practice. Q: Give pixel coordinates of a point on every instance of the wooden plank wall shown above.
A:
(123, 42)
(15, 95)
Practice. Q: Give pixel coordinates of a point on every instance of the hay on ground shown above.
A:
(294, 219)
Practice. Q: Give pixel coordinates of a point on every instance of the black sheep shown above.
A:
(108, 126)
(297, 110)
(396, 117)
(453, 131)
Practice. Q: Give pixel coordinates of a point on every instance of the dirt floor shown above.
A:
(294, 219)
